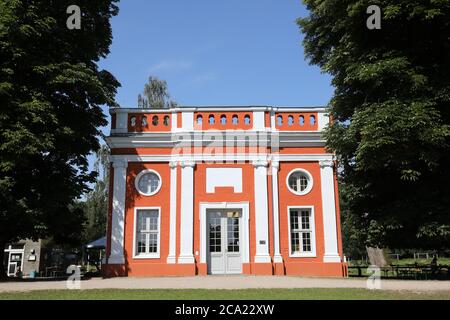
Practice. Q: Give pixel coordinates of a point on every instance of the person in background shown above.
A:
(19, 273)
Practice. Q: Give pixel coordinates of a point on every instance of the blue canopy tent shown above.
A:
(98, 244)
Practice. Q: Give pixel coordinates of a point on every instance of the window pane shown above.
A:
(294, 220)
(295, 242)
(306, 241)
(233, 234)
(298, 181)
(147, 231)
(301, 233)
(305, 220)
(214, 234)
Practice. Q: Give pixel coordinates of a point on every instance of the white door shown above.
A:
(14, 262)
(224, 241)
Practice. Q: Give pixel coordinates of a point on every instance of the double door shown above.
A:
(224, 241)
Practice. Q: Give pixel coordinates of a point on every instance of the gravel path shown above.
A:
(227, 282)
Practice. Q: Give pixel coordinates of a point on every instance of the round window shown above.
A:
(148, 182)
(299, 181)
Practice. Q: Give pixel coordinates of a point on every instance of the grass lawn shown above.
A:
(203, 294)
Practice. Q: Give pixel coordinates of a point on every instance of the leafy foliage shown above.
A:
(391, 111)
(156, 95)
(96, 205)
(51, 92)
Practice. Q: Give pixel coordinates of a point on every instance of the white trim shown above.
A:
(155, 255)
(277, 258)
(174, 119)
(171, 258)
(139, 176)
(223, 177)
(259, 120)
(322, 121)
(121, 123)
(223, 157)
(182, 109)
(118, 212)
(187, 120)
(227, 137)
(313, 252)
(187, 212)
(15, 251)
(244, 206)
(329, 212)
(261, 212)
(308, 187)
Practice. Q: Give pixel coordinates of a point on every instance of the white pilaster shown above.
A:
(261, 212)
(187, 212)
(329, 212)
(276, 216)
(174, 123)
(187, 120)
(118, 213)
(171, 258)
(322, 121)
(259, 120)
(121, 122)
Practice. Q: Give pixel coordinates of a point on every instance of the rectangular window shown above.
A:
(301, 224)
(147, 232)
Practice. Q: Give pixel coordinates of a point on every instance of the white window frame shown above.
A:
(308, 176)
(139, 176)
(312, 253)
(153, 255)
(14, 251)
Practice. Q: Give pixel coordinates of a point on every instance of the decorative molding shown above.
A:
(326, 163)
(120, 163)
(187, 163)
(222, 157)
(220, 108)
(173, 164)
(260, 163)
(275, 165)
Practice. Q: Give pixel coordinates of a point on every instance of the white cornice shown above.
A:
(220, 108)
(190, 158)
(234, 138)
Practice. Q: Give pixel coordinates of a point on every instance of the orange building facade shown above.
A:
(229, 190)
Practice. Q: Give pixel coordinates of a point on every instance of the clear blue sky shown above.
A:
(231, 52)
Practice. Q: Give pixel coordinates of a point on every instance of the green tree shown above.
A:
(391, 111)
(156, 95)
(51, 92)
(96, 205)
